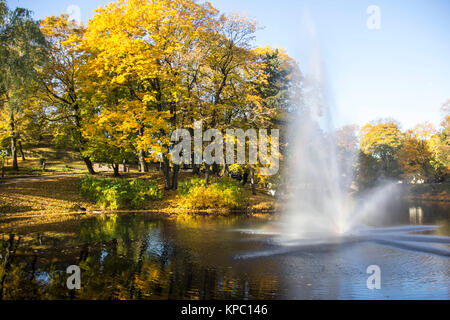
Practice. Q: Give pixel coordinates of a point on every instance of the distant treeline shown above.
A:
(384, 152)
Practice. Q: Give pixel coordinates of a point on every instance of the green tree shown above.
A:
(61, 83)
(382, 141)
(415, 155)
(22, 51)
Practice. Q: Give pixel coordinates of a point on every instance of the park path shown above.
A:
(30, 179)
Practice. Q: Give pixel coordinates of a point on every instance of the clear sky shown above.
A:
(401, 70)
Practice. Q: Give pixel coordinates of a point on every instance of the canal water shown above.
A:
(144, 256)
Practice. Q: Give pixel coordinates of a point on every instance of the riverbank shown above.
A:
(32, 201)
(428, 192)
(52, 199)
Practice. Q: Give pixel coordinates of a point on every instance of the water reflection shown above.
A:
(191, 257)
(133, 257)
(415, 215)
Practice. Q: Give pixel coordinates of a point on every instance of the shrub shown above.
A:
(221, 193)
(118, 193)
(184, 187)
(236, 169)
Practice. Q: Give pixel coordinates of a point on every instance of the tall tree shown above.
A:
(347, 152)
(62, 84)
(415, 155)
(382, 141)
(440, 146)
(22, 51)
(225, 81)
(135, 50)
(278, 83)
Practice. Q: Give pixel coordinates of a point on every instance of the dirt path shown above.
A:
(31, 179)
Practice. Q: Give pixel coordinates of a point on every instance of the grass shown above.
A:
(32, 167)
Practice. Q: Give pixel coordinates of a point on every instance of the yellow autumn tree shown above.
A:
(415, 155)
(61, 83)
(135, 69)
(440, 146)
(381, 142)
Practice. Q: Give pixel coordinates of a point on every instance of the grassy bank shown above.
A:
(429, 192)
(57, 162)
(57, 199)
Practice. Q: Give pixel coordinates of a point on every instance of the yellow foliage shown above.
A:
(379, 135)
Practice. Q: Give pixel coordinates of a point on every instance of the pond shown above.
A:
(143, 256)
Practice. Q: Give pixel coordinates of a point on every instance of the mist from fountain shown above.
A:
(320, 210)
(320, 205)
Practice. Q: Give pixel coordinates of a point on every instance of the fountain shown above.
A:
(320, 210)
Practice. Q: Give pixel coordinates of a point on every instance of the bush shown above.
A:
(221, 193)
(184, 187)
(236, 170)
(118, 193)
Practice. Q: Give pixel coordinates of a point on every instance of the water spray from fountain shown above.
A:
(320, 210)
(319, 204)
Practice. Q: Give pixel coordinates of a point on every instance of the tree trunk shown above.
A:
(21, 150)
(13, 144)
(82, 141)
(166, 171)
(253, 181)
(245, 178)
(215, 168)
(3, 167)
(143, 167)
(207, 174)
(89, 165)
(196, 169)
(225, 171)
(176, 169)
(116, 170)
(14, 153)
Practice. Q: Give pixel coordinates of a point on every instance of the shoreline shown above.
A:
(55, 199)
(34, 202)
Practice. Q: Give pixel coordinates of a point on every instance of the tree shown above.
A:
(107, 138)
(225, 80)
(61, 83)
(367, 170)
(347, 151)
(135, 51)
(275, 91)
(382, 141)
(22, 51)
(440, 146)
(415, 155)
(277, 82)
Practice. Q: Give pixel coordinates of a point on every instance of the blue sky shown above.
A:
(401, 70)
